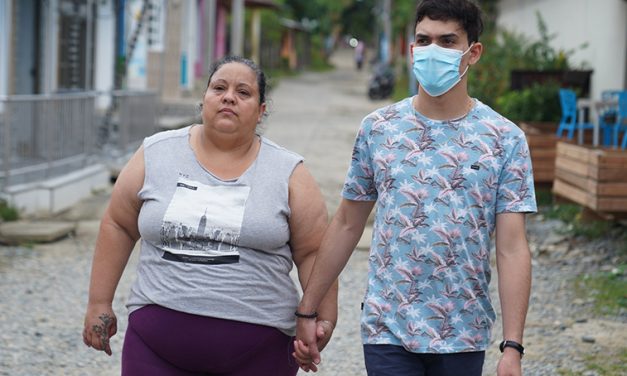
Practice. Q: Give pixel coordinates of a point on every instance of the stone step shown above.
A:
(25, 232)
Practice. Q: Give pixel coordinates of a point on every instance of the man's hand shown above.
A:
(100, 326)
(509, 364)
(324, 330)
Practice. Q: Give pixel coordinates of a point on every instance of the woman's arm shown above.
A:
(116, 239)
(308, 222)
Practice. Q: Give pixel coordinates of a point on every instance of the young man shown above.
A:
(446, 172)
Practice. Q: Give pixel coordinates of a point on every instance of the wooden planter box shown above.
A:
(541, 140)
(592, 177)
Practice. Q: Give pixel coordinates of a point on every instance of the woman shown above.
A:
(222, 214)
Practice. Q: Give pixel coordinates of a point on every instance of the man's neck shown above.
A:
(452, 105)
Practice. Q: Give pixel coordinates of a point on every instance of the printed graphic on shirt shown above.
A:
(202, 224)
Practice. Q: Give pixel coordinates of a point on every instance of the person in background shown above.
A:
(446, 172)
(360, 54)
(222, 214)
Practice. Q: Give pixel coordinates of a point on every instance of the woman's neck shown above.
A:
(226, 156)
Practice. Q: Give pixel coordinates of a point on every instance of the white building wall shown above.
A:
(5, 43)
(600, 23)
(104, 51)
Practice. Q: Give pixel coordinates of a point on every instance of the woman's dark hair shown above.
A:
(465, 12)
(261, 77)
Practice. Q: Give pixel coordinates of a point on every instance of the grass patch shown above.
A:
(544, 197)
(609, 364)
(571, 214)
(608, 289)
(8, 213)
(605, 364)
(564, 212)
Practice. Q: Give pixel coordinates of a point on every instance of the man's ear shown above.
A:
(411, 52)
(475, 53)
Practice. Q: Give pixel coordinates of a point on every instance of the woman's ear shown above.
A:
(262, 111)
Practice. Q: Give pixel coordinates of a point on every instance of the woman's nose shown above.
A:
(228, 97)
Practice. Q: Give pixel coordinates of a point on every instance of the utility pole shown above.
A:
(237, 27)
(387, 31)
(210, 21)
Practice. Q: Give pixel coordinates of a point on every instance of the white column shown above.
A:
(104, 53)
(255, 35)
(237, 27)
(210, 22)
(5, 46)
(50, 52)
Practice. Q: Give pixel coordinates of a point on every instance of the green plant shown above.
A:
(8, 213)
(505, 51)
(539, 102)
(544, 196)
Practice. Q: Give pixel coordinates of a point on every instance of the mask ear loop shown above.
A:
(467, 66)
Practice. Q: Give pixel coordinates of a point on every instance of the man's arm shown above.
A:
(337, 245)
(513, 262)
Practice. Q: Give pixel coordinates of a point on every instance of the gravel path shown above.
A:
(44, 287)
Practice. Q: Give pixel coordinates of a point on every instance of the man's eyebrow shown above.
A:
(449, 35)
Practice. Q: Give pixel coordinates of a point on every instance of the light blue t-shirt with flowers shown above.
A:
(438, 186)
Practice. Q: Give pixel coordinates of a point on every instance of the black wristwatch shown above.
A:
(513, 345)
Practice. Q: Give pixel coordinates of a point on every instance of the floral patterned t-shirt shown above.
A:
(438, 186)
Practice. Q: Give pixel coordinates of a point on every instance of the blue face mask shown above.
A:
(437, 68)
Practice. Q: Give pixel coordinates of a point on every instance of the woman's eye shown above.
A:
(244, 93)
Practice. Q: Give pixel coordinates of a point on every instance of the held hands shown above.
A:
(311, 338)
(100, 326)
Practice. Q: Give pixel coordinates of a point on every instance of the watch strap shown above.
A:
(514, 345)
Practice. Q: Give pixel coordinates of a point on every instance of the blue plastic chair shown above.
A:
(607, 117)
(568, 122)
(621, 120)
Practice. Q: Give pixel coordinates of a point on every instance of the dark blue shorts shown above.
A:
(391, 360)
(160, 342)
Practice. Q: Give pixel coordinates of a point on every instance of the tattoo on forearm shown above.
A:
(102, 330)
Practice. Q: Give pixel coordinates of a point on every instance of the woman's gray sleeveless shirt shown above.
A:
(211, 247)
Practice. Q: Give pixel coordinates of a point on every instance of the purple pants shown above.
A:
(160, 341)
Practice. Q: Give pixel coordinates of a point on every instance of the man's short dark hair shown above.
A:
(465, 12)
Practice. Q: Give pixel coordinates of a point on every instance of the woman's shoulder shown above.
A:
(278, 151)
(166, 135)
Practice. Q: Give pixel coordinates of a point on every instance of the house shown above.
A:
(82, 81)
(602, 24)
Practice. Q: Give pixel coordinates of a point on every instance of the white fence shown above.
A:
(43, 137)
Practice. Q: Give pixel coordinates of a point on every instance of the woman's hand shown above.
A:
(100, 326)
(324, 330)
